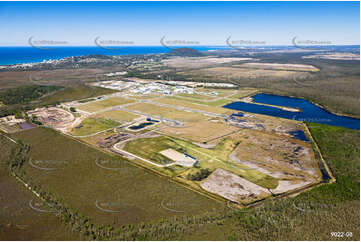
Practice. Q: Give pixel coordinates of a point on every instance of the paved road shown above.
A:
(8, 138)
(149, 115)
(187, 109)
(138, 157)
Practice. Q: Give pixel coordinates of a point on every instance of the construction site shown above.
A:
(183, 134)
(187, 134)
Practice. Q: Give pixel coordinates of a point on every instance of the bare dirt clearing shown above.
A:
(284, 186)
(233, 187)
(277, 66)
(236, 72)
(196, 62)
(178, 158)
(54, 117)
(282, 157)
(10, 124)
(334, 56)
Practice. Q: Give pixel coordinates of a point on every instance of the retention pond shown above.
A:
(308, 111)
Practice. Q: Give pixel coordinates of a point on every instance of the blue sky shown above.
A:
(209, 23)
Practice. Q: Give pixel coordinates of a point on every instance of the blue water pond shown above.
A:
(309, 112)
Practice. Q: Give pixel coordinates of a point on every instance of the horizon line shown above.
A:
(126, 46)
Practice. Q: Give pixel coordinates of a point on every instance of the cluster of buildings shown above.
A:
(200, 84)
(149, 88)
(156, 87)
(183, 89)
(115, 85)
(145, 88)
(10, 123)
(35, 64)
(118, 73)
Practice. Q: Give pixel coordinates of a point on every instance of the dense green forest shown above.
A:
(18, 100)
(26, 94)
(200, 175)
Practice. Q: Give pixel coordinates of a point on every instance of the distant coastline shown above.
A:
(26, 54)
(11, 55)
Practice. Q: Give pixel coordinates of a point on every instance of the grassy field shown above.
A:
(212, 159)
(217, 157)
(220, 92)
(17, 220)
(93, 125)
(166, 112)
(87, 100)
(75, 93)
(197, 96)
(201, 130)
(243, 92)
(81, 183)
(149, 148)
(275, 66)
(99, 105)
(176, 101)
(235, 72)
(215, 103)
(117, 115)
(223, 97)
(149, 96)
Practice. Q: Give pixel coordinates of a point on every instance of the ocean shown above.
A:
(18, 55)
(29, 54)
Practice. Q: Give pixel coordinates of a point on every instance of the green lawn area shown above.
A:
(149, 148)
(93, 125)
(106, 103)
(117, 115)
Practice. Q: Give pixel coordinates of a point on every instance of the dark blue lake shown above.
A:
(140, 126)
(309, 112)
